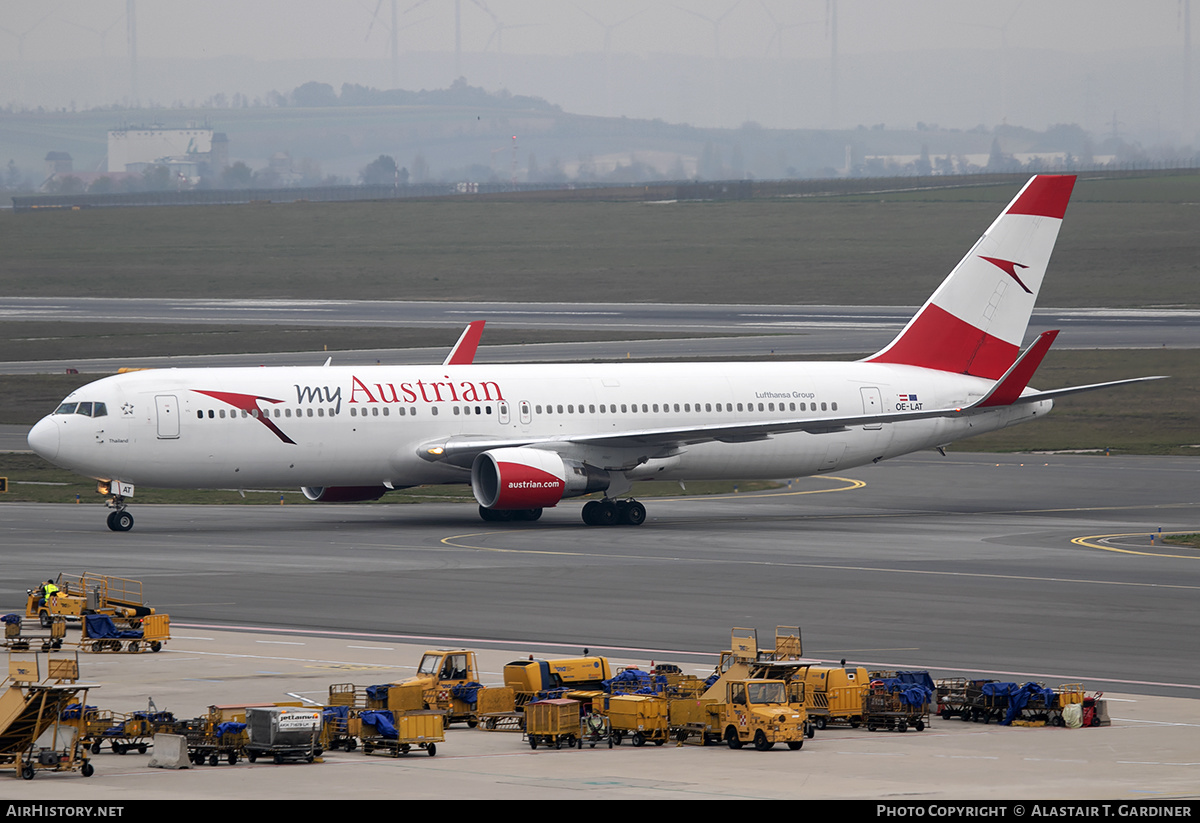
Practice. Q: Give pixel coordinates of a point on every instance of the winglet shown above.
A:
(1009, 387)
(463, 353)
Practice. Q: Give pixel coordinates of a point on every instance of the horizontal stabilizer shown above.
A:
(1053, 393)
(1009, 387)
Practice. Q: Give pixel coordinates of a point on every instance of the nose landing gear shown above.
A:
(119, 520)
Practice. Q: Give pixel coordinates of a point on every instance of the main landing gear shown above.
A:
(119, 520)
(613, 512)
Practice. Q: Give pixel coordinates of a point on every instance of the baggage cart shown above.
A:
(130, 635)
(552, 722)
(642, 718)
(397, 733)
(284, 733)
(898, 701)
(19, 638)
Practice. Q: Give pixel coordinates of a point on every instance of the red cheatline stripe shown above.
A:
(1046, 196)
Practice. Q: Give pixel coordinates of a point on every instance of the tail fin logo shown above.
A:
(1009, 268)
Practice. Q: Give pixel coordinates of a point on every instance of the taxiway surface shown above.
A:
(958, 564)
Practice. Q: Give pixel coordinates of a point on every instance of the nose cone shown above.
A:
(43, 438)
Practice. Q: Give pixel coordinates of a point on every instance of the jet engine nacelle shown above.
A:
(343, 494)
(525, 478)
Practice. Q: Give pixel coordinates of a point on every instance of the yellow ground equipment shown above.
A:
(221, 734)
(554, 722)
(130, 635)
(749, 711)
(398, 733)
(539, 679)
(87, 593)
(449, 679)
(642, 718)
(43, 723)
(834, 694)
(19, 637)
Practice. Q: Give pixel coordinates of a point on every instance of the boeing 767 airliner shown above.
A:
(527, 436)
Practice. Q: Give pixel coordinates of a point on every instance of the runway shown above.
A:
(759, 330)
(957, 564)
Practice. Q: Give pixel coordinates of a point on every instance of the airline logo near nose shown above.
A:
(249, 404)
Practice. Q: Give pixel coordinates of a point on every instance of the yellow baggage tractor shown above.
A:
(552, 722)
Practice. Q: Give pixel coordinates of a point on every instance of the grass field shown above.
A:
(1124, 243)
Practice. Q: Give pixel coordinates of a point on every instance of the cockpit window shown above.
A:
(86, 409)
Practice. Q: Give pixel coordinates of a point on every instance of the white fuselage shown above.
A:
(366, 426)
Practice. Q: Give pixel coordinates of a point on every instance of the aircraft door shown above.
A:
(502, 413)
(526, 414)
(872, 404)
(168, 416)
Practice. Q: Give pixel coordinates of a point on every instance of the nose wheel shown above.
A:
(120, 520)
(614, 512)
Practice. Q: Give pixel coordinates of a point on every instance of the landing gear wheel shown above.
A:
(120, 521)
(600, 513)
(495, 515)
(633, 513)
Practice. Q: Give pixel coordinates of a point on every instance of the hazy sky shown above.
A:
(1095, 45)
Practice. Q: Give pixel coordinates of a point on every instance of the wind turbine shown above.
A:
(457, 28)
(21, 35)
(608, 30)
(715, 22)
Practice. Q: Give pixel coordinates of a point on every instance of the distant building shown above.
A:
(189, 152)
(58, 162)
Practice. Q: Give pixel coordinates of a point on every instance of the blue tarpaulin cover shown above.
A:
(229, 727)
(1019, 698)
(467, 692)
(381, 721)
(378, 692)
(101, 627)
(913, 688)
